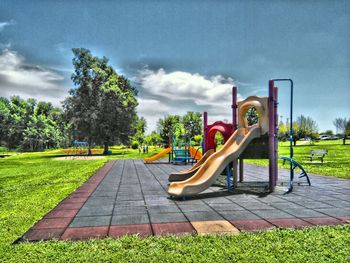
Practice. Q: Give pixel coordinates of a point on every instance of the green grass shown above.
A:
(323, 244)
(32, 184)
(121, 152)
(336, 162)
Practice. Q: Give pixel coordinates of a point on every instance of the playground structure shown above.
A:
(158, 155)
(226, 129)
(186, 155)
(80, 149)
(242, 141)
(189, 154)
(178, 153)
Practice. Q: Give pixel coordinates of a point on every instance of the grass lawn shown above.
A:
(118, 152)
(32, 184)
(336, 162)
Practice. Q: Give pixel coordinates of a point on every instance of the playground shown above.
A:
(175, 131)
(214, 192)
(246, 189)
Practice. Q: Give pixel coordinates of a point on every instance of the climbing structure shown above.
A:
(245, 142)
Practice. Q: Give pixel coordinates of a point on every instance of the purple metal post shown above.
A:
(234, 108)
(234, 128)
(290, 188)
(275, 97)
(272, 157)
(205, 124)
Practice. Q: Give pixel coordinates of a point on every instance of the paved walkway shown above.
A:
(129, 197)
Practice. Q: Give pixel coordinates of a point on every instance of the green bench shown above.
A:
(317, 154)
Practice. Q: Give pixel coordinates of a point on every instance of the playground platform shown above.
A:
(129, 197)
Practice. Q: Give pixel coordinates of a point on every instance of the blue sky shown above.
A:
(185, 55)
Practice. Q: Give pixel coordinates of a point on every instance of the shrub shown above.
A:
(134, 145)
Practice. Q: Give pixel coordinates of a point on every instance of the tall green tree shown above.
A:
(4, 119)
(139, 130)
(21, 112)
(153, 139)
(166, 127)
(101, 108)
(31, 126)
(192, 122)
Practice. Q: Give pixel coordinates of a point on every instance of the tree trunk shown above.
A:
(105, 151)
(344, 139)
(89, 150)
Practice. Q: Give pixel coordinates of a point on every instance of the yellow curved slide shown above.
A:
(157, 156)
(216, 163)
(184, 175)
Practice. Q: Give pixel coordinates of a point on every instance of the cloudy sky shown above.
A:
(185, 55)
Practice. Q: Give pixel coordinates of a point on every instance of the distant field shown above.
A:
(336, 163)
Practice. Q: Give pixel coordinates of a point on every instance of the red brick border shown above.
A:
(289, 222)
(344, 219)
(323, 221)
(43, 234)
(79, 233)
(180, 228)
(142, 230)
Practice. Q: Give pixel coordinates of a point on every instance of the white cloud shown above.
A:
(152, 110)
(179, 85)
(27, 80)
(6, 23)
(187, 91)
(152, 106)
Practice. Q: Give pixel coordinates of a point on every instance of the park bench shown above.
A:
(317, 154)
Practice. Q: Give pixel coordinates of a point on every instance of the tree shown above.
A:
(192, 122)
(4, 119)
(28, 125)
(342, 125)
(197, 138)
(306, 127)
(166, 127)
(21, 112)
(328, 132)
(219, 139)
(101, 109)
(139, 130)
(117, 112)
(153, 139)
(252, 116)
(283, 131)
